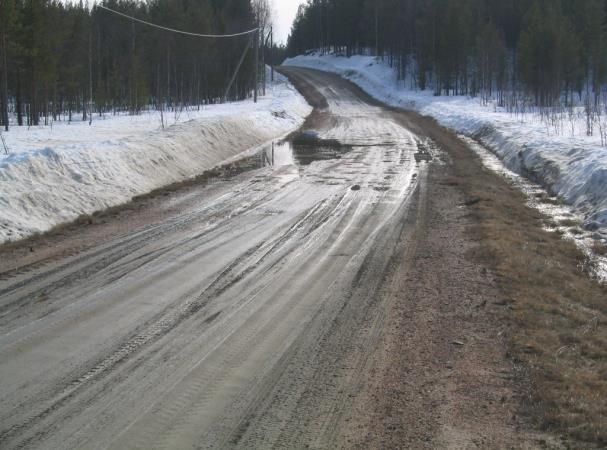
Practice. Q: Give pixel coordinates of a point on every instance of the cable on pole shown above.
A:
(187, 33)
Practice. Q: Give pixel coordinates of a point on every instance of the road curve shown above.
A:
(244, 321)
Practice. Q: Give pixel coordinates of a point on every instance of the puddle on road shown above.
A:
(302, 150)
(278, 154)
(307, 147)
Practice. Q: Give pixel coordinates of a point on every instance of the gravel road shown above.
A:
(320, 299)
(243, 320)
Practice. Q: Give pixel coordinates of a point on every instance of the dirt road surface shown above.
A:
(326, 301)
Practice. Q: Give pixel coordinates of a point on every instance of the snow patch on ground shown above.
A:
(569, 164)
(54, 174)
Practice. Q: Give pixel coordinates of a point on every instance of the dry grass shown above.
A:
(557, 314)
(569, 223)
(554, 314)
(557, 318)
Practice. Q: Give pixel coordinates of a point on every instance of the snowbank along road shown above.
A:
(55, 174)
(243, 321)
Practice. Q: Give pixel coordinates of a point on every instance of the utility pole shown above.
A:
(90, 79)
(264, 45)
(376, 27)
(272, 53)
(4, 84)
(256, 64)
(244, 53)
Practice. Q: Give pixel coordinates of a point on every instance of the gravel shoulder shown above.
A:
(441, 377)
(550, 311)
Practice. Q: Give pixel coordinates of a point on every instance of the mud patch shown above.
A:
(419, 157)
(424, 152)
(309, 147)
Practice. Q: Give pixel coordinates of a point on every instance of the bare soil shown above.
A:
(441, 377)
(495, 336)
(551, 312)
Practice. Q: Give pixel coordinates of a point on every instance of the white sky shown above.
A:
(284, 13)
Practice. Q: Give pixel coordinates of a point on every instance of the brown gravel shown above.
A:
(496, 334)
(441, 378)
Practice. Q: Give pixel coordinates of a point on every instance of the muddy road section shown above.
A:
(241, 320)
(324, 300)
(439, 375)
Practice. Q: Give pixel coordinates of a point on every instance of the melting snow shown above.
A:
(54, 174)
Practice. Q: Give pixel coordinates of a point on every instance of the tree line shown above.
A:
(545, 53)
(60, 59)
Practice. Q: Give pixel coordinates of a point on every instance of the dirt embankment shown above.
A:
(495, 334)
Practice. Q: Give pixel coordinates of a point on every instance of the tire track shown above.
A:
(270, 301)
(167, 320)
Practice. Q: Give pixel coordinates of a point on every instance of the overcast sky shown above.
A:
(284, 12)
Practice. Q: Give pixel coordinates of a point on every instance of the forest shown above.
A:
(60, 60)
(550, 54)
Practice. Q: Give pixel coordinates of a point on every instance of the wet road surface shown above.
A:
(244, 321)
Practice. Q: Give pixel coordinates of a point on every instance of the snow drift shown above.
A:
(569, 164)
(53, 175)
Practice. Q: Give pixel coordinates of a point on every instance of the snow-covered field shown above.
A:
(54, 174)
(570, 164)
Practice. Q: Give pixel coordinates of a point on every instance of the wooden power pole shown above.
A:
(90, 78)
(4, 86)
(256, 65)
(376, 27)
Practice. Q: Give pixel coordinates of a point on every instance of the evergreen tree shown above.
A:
(56, 57)
(544, 50)
(7, 27)
(549, 53)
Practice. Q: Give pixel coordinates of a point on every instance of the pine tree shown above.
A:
(548, 53)
(545, 49)
(491, 61)
(7, 24)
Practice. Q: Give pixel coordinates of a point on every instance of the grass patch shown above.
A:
(569, 223)
(557, 320)
(576, 231)
(554, 312)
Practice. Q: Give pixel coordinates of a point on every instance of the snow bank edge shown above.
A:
(48, 187)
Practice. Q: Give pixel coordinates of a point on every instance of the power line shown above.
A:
(212, 36)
